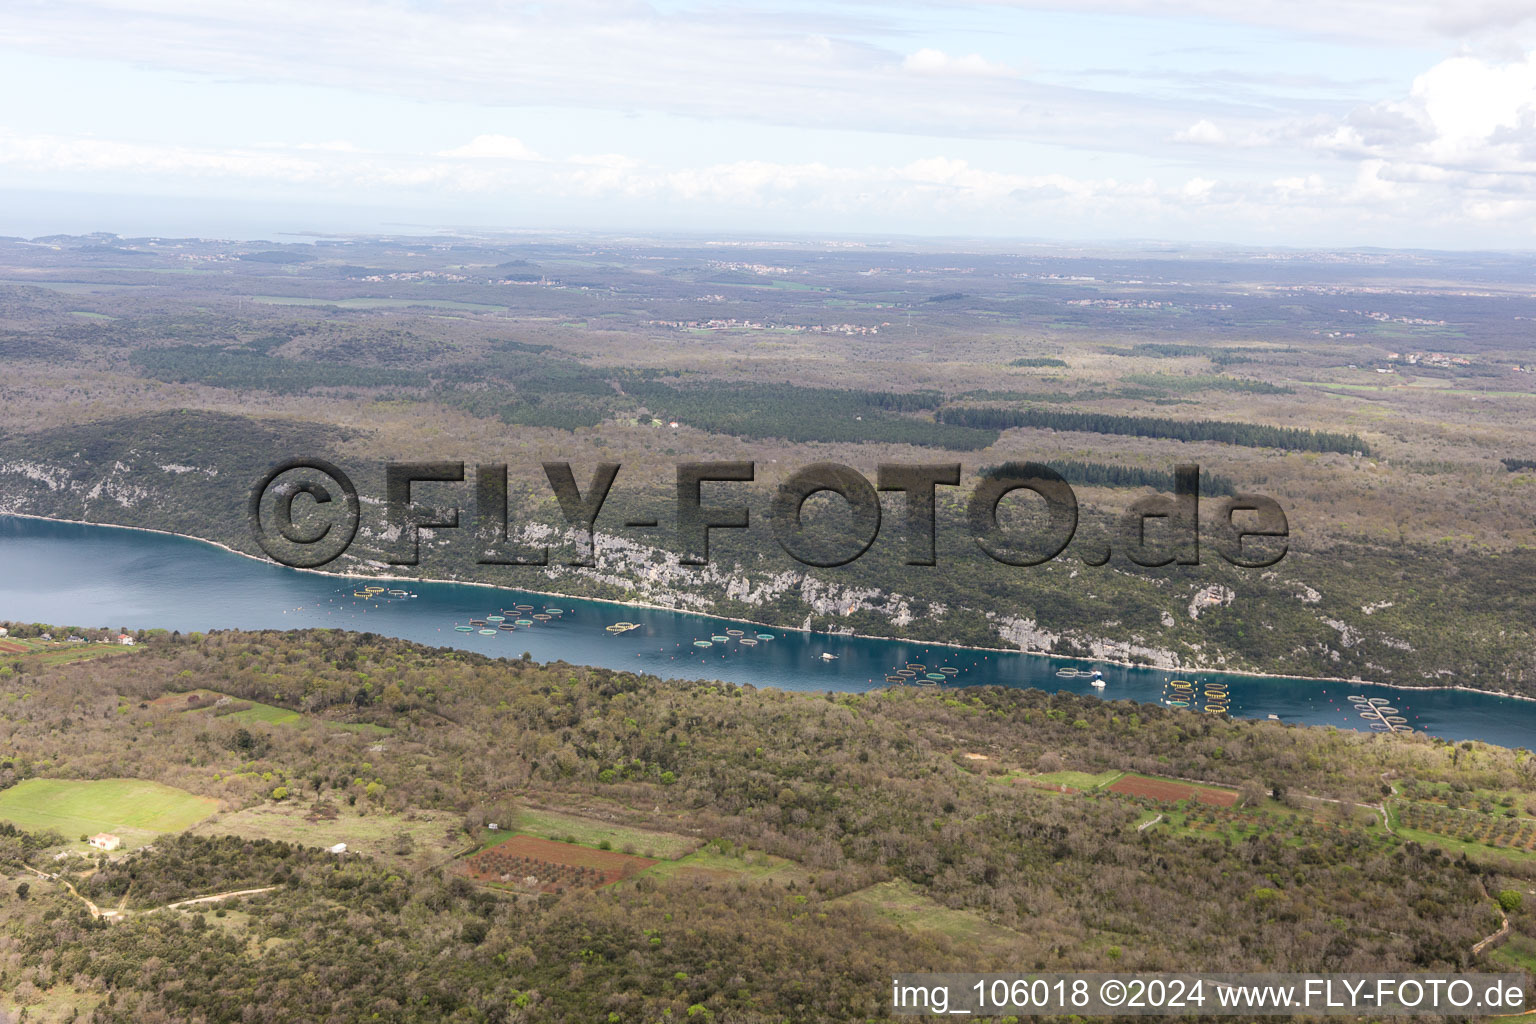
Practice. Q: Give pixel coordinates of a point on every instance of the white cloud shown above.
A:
(1203, 133)
(492, 147)
(1370, 21)
(1198, 188)
(937, 62)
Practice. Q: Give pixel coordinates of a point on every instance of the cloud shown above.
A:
(937, 62)
(1202, 133)
(1370, 21)
(492, 147)
(847, 67)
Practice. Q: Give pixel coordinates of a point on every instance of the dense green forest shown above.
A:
(1251, 435)
(803, 414)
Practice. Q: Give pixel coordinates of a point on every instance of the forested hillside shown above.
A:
(843, 837)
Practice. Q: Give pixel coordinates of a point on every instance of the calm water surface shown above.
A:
(71, 574)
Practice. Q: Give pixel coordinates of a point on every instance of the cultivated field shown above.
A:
(134, 809)
(1171, 791)
(543, 865)
(592, 832)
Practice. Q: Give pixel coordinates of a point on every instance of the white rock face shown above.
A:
(1215, 594)
(1348, 635)
(1026, 634)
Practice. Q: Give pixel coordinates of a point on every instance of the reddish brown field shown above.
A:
(552, 866)
(12, 647)
(1173, 792)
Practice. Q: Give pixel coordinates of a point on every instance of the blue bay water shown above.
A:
(92, 576)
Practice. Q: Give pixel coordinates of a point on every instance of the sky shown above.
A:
(1394, 123)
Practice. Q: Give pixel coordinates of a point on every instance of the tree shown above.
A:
(1510, 901)
(23, 889)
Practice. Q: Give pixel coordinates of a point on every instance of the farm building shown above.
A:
(105, 841)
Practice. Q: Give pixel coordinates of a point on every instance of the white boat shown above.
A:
(828, 657)
(1274, 718)
(1098, 680)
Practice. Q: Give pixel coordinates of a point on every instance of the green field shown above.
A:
(907, 906)
(367, 728)
(257, 712)
(434, 835)
(266, 713)
(1077, 780)
(135, 809)
(711, 864)
(592, 832)
(1474, 851)
(1518, 952)
(43, 653)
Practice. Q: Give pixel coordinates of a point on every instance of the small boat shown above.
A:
(1274, 718)
(828, 657)
(1097, 682)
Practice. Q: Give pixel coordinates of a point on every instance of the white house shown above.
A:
(4, 631)
(125, 639)
(105, 841)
